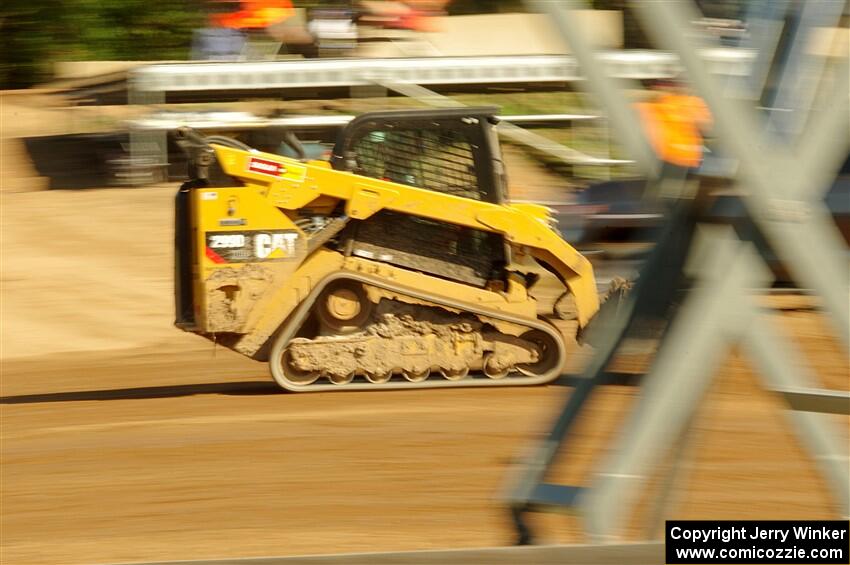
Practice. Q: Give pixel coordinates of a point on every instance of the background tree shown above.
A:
(34, 34)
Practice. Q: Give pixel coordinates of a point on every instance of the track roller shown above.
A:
(379, 378)
(455, 374)
(493, 369)
(341, 379)
(416, 376)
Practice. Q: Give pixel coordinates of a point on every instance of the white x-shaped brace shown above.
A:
(718, 313)
(783, 183)
(784, 186)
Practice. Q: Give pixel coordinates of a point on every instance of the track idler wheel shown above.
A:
(547, 353)
(296, 375)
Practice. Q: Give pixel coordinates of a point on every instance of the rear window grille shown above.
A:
(436, 160)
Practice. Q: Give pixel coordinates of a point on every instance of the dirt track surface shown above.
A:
(125, 440)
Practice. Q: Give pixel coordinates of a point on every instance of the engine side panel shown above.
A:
(241, 249)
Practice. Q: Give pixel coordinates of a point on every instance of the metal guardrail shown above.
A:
(168, 122)
(509, 128)
(425, 71)
(150, 85)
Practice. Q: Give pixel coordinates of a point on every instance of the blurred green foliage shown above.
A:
(34, 34)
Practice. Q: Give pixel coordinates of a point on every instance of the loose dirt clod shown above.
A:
(234, 293)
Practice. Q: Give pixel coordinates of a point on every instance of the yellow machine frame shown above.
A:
(270, 199)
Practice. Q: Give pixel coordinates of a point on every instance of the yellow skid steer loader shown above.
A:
(398, 264)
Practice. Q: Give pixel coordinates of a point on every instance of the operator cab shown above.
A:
(453, 151)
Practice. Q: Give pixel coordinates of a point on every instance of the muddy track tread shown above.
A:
(297, 319)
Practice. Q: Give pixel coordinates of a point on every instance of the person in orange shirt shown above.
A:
(674, 121)
(257, 14)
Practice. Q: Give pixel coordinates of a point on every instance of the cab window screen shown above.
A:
(437, 160)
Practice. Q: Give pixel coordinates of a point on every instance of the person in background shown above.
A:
(257, 14)
(410, 15)
(216, 42)
(675, 122)
(236, 26)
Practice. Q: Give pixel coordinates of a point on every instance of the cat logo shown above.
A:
(267, 243)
